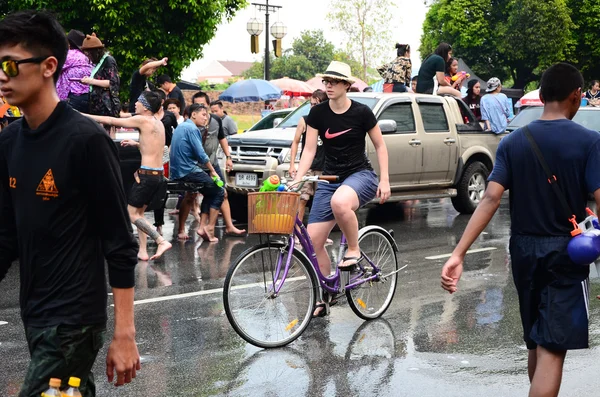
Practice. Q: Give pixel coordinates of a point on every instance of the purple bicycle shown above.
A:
(271, 289)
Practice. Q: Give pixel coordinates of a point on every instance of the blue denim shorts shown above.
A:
(364, 183)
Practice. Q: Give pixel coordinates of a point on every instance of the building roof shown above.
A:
(236, 68)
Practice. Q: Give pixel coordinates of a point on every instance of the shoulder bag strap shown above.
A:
(97, 68)
(552, 180)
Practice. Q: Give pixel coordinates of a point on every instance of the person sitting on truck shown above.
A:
(431, 73)
(342, 125)
(451, 71)
(150, 175)
(316, 168)
(213, 137)
(473, 98)
(187, 154)
(495, 112)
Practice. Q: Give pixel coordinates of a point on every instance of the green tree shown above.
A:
(536, 35)
(514, 39)
(470, 26)
(365, 24)
(316, 49)
(586, 35)
(134, 31)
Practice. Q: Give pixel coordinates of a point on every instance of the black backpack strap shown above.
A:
(552, 180)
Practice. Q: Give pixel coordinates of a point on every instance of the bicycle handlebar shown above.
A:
(314, 178)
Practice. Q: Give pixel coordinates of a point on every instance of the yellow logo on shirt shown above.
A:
(47, 188)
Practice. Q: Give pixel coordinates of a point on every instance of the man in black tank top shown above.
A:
(316, 168)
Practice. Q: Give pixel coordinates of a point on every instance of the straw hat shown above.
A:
(338, 71)
(91, 42)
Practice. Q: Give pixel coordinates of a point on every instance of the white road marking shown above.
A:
(205, 292)
(3, 322)
(473, 251)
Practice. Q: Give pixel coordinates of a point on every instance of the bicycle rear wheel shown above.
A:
(371, 299)
(260, 316)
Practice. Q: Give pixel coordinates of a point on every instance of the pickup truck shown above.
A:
(436, 149)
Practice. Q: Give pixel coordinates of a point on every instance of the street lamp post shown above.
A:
(267, 9)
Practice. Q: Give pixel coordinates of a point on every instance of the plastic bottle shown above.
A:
(271, 184)
(218, 181)
(54, 390)
(73, 390)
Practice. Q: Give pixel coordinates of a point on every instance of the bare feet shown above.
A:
(143, 255)
(159, 230)
(163, 246)
(174, 212)
(202, 233)
(183, 236)
(234, 231)
(328, 241)
(210, 234)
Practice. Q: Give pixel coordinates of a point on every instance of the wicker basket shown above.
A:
(272, 212)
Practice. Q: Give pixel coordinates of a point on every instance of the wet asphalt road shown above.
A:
(427, 344)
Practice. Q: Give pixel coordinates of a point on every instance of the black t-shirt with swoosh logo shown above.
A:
(343, 137)
(63, 211)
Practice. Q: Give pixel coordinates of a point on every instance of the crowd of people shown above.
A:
(65, 214)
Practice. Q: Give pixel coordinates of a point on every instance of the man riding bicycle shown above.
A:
(342, 125)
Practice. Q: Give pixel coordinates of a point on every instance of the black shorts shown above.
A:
(142, 193)
(553, 293)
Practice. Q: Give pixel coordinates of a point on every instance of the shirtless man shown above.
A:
(150, 175)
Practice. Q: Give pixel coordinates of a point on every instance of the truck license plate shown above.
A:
(244, 179)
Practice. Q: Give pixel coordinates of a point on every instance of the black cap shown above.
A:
(75, 38)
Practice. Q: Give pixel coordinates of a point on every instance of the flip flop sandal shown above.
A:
(350, 267)
(322, 312)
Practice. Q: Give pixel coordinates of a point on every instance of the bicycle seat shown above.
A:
(180, 186)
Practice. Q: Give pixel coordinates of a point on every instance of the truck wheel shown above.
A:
(239, 207)
(470, 188)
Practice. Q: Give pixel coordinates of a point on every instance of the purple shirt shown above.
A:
(77, 66)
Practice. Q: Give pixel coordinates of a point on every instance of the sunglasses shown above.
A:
(11, 67)
(332, 82)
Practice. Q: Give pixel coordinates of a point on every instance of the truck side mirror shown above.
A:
(387, 126)
(277, 121)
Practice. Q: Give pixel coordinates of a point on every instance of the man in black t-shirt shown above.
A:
(139, 79)
(164, 83)
(62, 215)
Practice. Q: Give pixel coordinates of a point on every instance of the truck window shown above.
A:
(402, 114)
(434, 117)
(465, 112)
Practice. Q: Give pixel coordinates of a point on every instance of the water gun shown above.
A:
(584, 247)
(271, 184)
(217, 181)
(462, 74)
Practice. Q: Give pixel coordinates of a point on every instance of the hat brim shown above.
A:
(336, 77)
(492, 89)
(91, 48)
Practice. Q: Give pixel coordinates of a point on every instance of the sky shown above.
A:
(232, 41)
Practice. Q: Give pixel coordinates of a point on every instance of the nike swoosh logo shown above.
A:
(335, 134)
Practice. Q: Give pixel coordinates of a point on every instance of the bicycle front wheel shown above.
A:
(259, 314)
(372, 298)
